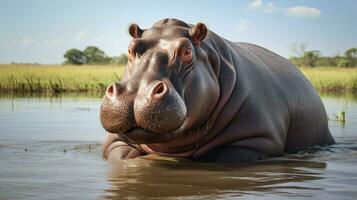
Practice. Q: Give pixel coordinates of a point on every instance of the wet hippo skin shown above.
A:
(190, 93)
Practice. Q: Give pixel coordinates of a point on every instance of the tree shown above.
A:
(343, 62)
(351, 55)
(298, 49)
(75, 57)
(120, 60)
(310, 57)
(96, 56)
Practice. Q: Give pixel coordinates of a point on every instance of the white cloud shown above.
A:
(99, 39)
(255, 4)
(270, 8)
(28, 40)
(302, 11)
(82, 35)
(50, 42)
(242, 25)
(296, 11)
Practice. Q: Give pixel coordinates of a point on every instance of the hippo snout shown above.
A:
(155, 107)
(160, 108)
(116, 111)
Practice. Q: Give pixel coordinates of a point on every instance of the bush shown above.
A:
(91, 55)
(120, 60)
(313, 58)
(75, 57)
(96, 56)
(310, 57)
(343, 63)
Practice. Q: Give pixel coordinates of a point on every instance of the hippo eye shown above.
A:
(187, 56)
(130, 57)
(135, 53)
(188, 51)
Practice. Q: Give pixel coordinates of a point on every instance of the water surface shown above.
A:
(50, 148)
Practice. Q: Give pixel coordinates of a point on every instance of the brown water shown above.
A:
(50, 148)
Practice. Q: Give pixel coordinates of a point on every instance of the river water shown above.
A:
(50, 148)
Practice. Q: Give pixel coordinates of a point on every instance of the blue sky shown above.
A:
(41, 31)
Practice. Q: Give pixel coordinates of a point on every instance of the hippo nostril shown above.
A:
(113, 90)
(110, 90)
(159, 90)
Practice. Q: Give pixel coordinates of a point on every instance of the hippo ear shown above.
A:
(135, 31)
(198, 33)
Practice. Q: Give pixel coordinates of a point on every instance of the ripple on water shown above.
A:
(50, 149)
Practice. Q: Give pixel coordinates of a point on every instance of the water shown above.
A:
(50, 148)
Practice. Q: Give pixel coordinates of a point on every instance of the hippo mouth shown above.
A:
(139, 135)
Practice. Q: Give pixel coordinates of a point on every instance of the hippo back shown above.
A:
(273, 107)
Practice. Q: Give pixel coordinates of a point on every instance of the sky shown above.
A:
(41, 31)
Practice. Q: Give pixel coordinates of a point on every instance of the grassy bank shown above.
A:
(42, 78)
(332, 79)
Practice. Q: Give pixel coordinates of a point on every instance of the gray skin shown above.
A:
(190, 93)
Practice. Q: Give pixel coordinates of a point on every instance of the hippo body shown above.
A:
(239, 101)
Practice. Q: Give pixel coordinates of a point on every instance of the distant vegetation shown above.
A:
(332, 79)
(313, 58)
(92, 55)
(58, 78)
(94, 78)
(91, 70)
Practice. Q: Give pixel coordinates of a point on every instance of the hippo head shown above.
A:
(169, 86)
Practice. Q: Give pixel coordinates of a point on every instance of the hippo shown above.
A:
(189, 93)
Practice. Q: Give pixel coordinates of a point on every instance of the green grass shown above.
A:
(89, 78)
(332, 79)
(66, 78)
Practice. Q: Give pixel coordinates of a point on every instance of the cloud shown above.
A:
(84, 37)
(50, 42)
(242, 25)
(296, 11)
(271, 8)
(81, 36)
(28, 40)
(99, 39)
(255, 4)
(302, 11)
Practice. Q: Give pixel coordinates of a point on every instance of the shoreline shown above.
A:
(59, 79)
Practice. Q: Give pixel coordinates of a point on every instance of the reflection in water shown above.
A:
(50, 147)
(318, 172)
(147, 177)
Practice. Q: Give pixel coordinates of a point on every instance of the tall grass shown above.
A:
(332, 79)
(43, 78)
(89, 78)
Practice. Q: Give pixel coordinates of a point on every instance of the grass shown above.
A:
(53, 78)
(89, 78)
(332, 79)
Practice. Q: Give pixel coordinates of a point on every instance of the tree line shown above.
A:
(313, 58)
(92, 55)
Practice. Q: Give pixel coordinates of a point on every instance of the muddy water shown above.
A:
(50, 148)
